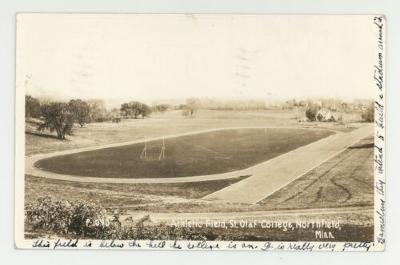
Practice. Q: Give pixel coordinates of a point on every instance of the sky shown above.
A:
(120, 57)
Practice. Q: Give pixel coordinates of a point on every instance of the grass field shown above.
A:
(173, 197)
(124, 196)
(198, 154)
(328, 185)
(169, 123)
(346, 180)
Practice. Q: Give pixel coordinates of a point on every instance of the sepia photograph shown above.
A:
(200, 131)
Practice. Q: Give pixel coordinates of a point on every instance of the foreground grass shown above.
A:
(50, 218)
(125, 196)
(345, 180)
(348, 233)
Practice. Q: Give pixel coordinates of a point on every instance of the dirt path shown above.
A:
(30, 169)
(270, 176)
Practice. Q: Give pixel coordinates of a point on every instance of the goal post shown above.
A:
(143, 154)
(162, 152)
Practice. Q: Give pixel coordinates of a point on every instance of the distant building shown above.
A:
(328, 115)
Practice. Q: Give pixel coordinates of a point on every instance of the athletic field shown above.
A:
(191, 155)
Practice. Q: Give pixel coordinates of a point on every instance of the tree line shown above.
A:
(60, 117)
(317, 112)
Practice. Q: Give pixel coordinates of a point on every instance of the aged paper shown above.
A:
(200, 132)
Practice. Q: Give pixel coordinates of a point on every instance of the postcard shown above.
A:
(200, 132)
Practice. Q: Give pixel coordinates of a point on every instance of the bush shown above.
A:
(319, 117)
(80, 219)
(368, 114)
(185, 112)
(77, 219)
(116, 120)
(311, 112)
(63, 217)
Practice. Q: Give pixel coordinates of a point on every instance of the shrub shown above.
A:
(185, 112)
(311, 112)
(77, 218)
(116, 120)
(320, 117)
(368, 114)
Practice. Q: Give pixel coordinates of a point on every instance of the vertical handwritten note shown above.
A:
(379, 154)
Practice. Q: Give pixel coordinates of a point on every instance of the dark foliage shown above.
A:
(80, 110)
(134, 109)
(311, 112)
(368, 114)
(57, 117)
(32, 107)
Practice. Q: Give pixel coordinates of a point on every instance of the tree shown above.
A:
(135, 109)
(302, 103)
(32, 107)
(131, 109)
(368, 114)
(97, 110)
(344, 107)
(311, 112)
(115, 115)
(180, 107)
(161, 107)
(58, 117)
(192, 106)
(145, 111)
(80, 110)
